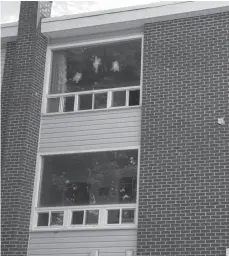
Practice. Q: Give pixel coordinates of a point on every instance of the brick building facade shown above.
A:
(182, 201)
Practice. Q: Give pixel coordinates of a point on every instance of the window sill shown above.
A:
(58, 230)
(91, 111)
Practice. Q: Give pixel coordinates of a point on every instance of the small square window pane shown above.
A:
(128, 216)
(43, 219)
(69, 104)
(118, 99)
(92, 217)
(85, 101)
(100, 100)
(134, 97)
(57, 218)
(77, 217)
(53, 105)
(113, 216)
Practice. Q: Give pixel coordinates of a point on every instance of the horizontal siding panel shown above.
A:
(82, 245)
(112, 242)
(92, 115)
(83, 233)
(90, 130)
(3, 54)
(83, 132)
(87, 143)
(92, 147)
(93, 127)
(79, 251)
(80, 239)
(101, 136)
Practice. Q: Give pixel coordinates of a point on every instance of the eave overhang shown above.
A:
(117, 19)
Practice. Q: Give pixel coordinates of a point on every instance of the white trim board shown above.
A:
(126, 18)
(51, 48)
(38, 177)
(117, 19)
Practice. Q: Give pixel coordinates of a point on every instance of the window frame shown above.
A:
(48, 70)
(67, 220)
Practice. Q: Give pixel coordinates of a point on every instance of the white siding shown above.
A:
(81, 243)
(90, 130)
(3, 53)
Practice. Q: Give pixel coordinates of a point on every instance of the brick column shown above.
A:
(22, 88)
(184, 165)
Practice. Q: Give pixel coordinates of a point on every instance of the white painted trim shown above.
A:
(128, 96)
(88, 151)
(47, 78)
(89, 227)
(114, 20)
(37, 186)
(102, 218)
(110, 11)
(109, 92)
(49, 56)
(33, 217)
(86, 207)
(141, 75)
(95, 41)
(8, 32)
(138, 186)
(94, 91)
(109, 108)
(38, 158)
(117, 19)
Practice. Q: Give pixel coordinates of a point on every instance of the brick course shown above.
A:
(22, 88)
(183, 199)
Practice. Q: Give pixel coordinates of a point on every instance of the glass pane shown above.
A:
(93, 178)
(85, 101)
(69, 104)
(127, 190)
(77, 217)
(94, 67)
(43, 219)
(57, 218)
(100, 100)
(118, 99)
(53, 105)
(134, 97)
(92, 217)
(59, 73)
(128, 215)
(113, 216)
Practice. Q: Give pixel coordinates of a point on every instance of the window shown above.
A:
(95, 77)
(88, 189)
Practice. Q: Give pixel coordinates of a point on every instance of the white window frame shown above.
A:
(48, 68)
(67, 209)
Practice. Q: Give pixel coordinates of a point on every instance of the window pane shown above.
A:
(92, 217)
(127, 192)
(53, 105)
(128, 216)
(134, 97)
(113, 216)
(43, 219)
(85, 101)
(89, 178)
(77, 217)
(57, 218)
(104, 66)
(100, 100)
(69, 104)
(118, 99)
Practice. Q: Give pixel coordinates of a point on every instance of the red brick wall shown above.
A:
(22, 88)
(184, 173)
